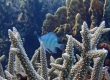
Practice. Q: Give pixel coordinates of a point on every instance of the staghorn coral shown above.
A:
(1, 68)
(18, 48)
(70, 69)
(25, 15)
(43, 61)
(10, 67)
(62, 22)
(69, 59)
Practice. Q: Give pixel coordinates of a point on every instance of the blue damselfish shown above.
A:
(50, 42)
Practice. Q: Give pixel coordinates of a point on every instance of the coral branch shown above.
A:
(43, 62)
(17, 42)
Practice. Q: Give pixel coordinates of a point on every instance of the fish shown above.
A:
(50, 42)
(20, 16)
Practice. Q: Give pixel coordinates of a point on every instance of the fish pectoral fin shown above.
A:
(48, 50)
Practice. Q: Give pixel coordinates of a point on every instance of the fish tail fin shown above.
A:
(61, 46)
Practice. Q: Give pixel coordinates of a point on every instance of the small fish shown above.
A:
(20, 16)
(50, 42)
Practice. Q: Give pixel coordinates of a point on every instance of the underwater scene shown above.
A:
(54, 39)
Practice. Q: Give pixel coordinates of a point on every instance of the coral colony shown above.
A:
(19, 63)
(70, 23)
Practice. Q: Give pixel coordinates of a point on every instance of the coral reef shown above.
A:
(27, 16)
(70, 69)
(67, 22)
(75, 12)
